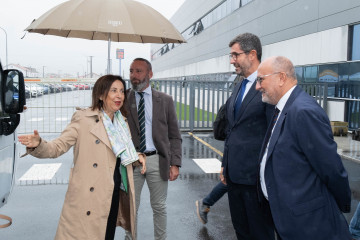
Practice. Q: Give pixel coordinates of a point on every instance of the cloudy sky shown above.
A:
(63, 55)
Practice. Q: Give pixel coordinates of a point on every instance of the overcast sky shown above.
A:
(63, 55)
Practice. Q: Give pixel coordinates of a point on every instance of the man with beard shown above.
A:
(247, 119)
(155, 132)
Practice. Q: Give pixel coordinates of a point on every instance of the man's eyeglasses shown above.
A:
(234, 55)
(260, 79)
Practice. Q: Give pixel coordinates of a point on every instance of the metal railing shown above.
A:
(196, 102)
(51, 105)
(317, 90)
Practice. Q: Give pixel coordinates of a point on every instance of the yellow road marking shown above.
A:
(206, 144)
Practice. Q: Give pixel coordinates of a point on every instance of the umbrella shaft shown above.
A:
(109, 46)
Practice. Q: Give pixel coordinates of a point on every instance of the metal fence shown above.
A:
(196, 102)
(51, 105)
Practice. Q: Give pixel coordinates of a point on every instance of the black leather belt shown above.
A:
(150, 153)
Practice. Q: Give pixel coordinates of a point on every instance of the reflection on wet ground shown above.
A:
(348, 149)
(193, 184)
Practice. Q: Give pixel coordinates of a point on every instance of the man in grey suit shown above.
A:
(155, 132)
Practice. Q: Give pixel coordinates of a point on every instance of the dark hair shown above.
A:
(248, 42)
(146, 61)
(101, 89)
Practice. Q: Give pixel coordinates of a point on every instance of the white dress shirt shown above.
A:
(251, 80)
(280, 105)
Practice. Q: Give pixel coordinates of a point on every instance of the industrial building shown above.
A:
(321, 37)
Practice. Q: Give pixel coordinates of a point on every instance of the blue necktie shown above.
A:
(141, 118)
(239, 98)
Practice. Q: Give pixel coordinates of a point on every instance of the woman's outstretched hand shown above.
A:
(31, 140)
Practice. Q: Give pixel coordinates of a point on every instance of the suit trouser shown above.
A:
(249, 220)
(158, 193)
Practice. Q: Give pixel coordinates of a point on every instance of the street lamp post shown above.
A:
(44, 71)
(6, 47)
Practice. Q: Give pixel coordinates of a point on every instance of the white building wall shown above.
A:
(322, 47)
(213, 65)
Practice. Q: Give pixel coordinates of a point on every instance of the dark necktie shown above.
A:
(141, 117)
(239, 98)
(270, 128)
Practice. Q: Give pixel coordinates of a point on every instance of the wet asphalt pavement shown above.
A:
(35, 205)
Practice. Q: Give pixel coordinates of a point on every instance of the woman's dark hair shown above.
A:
(102, 88)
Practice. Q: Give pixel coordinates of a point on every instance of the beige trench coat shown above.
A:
(88, 198)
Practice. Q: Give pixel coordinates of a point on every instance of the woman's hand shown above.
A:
(31, 140)
(142, 160)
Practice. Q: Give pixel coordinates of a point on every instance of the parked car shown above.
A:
(89, 86)
(39, 90)
(27, 93)
(44, 88)
(54, 88)
(67, 87)
(33, 91)
(80, 86)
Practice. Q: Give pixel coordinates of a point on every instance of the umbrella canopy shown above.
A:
(112, 20)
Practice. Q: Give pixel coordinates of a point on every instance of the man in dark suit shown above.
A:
(155, 132)
(301, 174)
(247, 124)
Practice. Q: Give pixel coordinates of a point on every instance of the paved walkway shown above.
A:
(348, 148)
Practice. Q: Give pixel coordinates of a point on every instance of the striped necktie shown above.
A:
(141, 118)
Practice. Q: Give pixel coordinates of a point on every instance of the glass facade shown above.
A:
(343, 78)
(343, 82)
(355, 51)
(310, 74)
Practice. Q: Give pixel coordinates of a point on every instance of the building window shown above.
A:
(311, 74)
(244, 2)
(219, 12)
(232, 5)
(299, 74)
(329, 73)
(355, 42)
(354, 72)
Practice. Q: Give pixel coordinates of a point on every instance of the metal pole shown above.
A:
(6, 47)
(192, 107)
(91, 72)
(119, 66)
(108, 62)
(87, 66)
(43, 71)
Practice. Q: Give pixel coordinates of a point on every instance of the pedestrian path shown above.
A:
(348, 148)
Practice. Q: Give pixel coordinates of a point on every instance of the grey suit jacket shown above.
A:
(165, 129)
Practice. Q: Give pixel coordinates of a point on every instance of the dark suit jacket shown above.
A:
(306, 182)
(165, 129)
(245, 136)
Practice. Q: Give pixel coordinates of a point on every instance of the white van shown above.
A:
(12, 101)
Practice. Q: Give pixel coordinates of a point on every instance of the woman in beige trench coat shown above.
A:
(85, 213)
